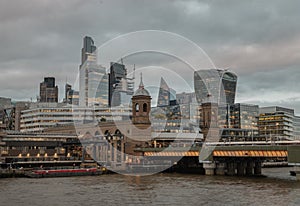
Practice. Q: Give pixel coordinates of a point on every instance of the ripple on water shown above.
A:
(161, 189)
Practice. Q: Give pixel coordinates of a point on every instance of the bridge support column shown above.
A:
(220, 168)
(230, 168)
(257, 168)
(249, 168)
(155, 145)
(241, 166)
(209, 168)
(296, 169)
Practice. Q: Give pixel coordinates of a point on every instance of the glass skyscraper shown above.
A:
(120, 86)
(218, 85)
(93, 80)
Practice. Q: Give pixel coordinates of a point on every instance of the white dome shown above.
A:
(141, 92)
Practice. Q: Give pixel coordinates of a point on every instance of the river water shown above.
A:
(278, 188)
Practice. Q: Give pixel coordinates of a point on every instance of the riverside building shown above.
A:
(41, 116)
(277, 123)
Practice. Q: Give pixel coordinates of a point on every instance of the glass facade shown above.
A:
(120, 86)
(93, 80)
(297, 127)
(164, 94)
(241, 122)
(244, 116)
(219, 85)
(93, 85)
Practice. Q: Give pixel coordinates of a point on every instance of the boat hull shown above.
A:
(63, 173)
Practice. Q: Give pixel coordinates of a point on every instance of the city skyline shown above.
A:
(266, 61)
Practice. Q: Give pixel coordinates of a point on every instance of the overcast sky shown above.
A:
(258, 40)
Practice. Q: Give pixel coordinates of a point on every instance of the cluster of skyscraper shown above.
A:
(96, 87)
(101, 91)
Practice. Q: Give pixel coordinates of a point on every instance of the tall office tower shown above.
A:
(93, 80)
(120, 86)
(48, 90)
(88, 49)
(164, 93)
(220, 85)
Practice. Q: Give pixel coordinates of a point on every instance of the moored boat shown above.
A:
(63, 172)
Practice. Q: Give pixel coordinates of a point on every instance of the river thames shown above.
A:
(278, 188)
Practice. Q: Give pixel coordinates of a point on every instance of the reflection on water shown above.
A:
(278, 188)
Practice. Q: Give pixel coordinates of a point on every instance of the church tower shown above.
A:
(209, 120)
(141, 106)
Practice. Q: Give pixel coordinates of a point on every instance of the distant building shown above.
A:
(121, 87)
(166, 95)
(48, 90)
(93, 80)
(186, 98)
(183, 118)
(296, 125)
(71, 96)
(5, 102)
(46, 115)
(88, 49)
(68, 88)
(219, 84)
(239, 121)
(276, 123)
(244, 116)
(5, 113)
(16, 114)
(235, 122)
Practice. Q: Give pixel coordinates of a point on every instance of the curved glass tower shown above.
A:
(218, 85)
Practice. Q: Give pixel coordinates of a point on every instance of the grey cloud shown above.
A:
(44, 37)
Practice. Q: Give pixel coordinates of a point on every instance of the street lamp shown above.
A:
(252, 125)
(277, 127)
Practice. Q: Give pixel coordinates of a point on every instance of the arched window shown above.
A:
(137, 107)
(145, 107)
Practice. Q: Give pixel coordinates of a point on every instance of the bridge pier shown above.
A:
(249, 168)
(230, 168)
(257, 168)
(220, 168)
(209, 168)
(241, 166)
(296, 170)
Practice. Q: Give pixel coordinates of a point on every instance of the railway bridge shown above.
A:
(233, 158)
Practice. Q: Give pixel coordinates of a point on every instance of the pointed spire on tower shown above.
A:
(141, 86)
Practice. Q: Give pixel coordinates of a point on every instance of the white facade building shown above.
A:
(41, 116)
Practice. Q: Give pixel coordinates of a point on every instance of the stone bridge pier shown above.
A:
(239, 167)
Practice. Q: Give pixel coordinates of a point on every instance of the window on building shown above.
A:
(137, 107)
(145, 107)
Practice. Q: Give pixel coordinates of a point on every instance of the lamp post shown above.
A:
(266, 134)
(277, 130)
(252, 125)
